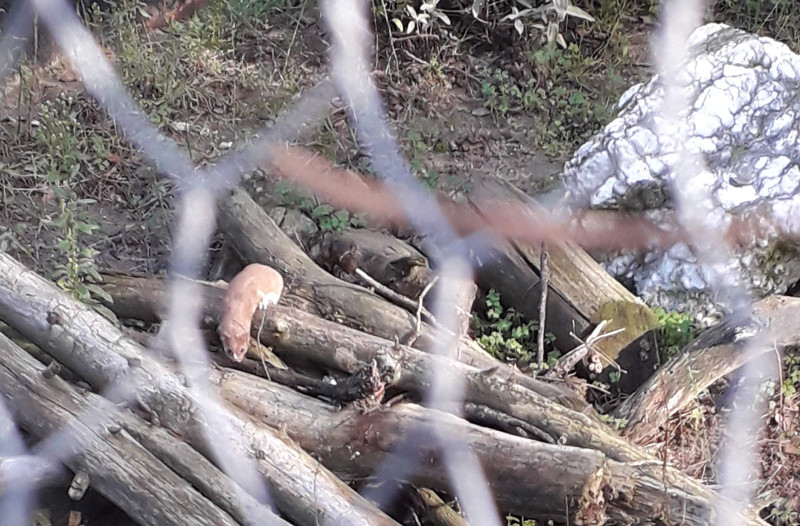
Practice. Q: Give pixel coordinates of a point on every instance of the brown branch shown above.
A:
(86, 342)
(714, 354)
(116, 464)
(511, 220)
(545, 277)
(398, 299)
(540, 480)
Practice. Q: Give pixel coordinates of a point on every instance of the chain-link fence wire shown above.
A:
(199, 189)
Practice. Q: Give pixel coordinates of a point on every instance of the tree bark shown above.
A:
(716, 353)
(529, 478)
(82, 424)
(85, 341)
(299, 335)
(144, 298)
(258, 239)
(577, 278)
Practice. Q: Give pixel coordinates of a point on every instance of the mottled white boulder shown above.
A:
(744, 118)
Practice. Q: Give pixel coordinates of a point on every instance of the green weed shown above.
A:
(327, 218)
(675, 331)
(67, 149)
(565, 112)
(504, 334)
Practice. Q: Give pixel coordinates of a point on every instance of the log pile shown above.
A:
(300, 438)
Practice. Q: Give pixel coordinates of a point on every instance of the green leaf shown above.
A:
(321, 210)
(92, 273)
(82, 290)
(577, 12)
(577, 98)
(100, 293)
(86, 228)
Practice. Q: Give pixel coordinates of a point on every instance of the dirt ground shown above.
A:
(77, 198)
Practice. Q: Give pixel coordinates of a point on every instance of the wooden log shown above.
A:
(148, 302)
(119, 467)
(299, 335)
(575, 277)
(87, 343)
(717, 352)
(200, 473)
(258, 239)
(546, 481)
(388, 260)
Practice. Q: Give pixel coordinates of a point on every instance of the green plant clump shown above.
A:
(675, 330)
(327, 218)
(505, 334)
(565, 113)
(791, 383)
(59, 135)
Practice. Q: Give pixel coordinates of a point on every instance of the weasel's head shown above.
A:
(235, 340)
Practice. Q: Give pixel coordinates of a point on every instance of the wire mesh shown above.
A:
(199, 189)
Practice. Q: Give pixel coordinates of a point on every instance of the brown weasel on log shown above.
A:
(255, 287)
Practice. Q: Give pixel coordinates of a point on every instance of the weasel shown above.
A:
(255, 287)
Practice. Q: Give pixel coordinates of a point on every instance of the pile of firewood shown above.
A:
(329, 399)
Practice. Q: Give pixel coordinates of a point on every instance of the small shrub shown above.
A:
(675, 330)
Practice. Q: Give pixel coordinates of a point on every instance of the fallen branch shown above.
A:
(528, 478)
(84, 424)
(258, 239)
(302, 336)
(394, 297)
(144, 298)
(715, 353)
(83, 340)
(545, 277)
(576, 276)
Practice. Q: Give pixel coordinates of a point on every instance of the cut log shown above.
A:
(302, 335)
(578, 278)
(119, 467)
(299, 335)
(546, 481)
(258, 239)
(144, 298)
(87, 343)
(717, 352)
(199, 472)
(389, 260)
